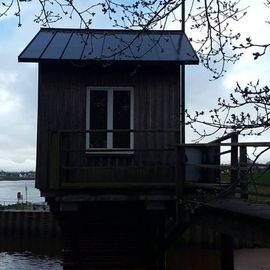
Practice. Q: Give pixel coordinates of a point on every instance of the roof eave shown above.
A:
(39, 60)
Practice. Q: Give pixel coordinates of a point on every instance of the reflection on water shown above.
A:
(26, 260)
(25, 253)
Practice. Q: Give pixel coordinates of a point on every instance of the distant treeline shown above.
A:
(30, 175)
(14, 178)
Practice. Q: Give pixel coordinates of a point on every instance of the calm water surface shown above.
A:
(21, 253)
(9, 189)
(26, 260)
(29, 253)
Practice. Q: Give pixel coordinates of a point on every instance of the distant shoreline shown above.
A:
(13, 178)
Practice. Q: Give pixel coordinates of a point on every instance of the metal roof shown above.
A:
(109, 45)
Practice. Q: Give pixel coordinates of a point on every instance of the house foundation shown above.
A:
(113, 236)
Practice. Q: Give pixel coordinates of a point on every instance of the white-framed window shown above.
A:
(109, 108)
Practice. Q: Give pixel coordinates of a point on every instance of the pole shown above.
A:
(25, 192)
(183, 82)
(183, 15)
(180, 152)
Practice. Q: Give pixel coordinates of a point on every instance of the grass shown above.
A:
(23, 206)
(258, 182)
(17, 206)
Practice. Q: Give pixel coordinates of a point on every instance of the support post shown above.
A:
(243, 173)
(113, 235)
(227, 261)
(183, 83)
(234, 159)
(180, 175)
(54, 160)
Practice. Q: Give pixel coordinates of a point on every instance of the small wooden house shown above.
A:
(108, 107)
(108, 120)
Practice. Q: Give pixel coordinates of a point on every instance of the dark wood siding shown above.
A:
(62, 105)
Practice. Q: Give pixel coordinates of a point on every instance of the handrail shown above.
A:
(119, 150)
(255, 144)
(226, 137)
(115, 130)
(225, 152)
(241, 170)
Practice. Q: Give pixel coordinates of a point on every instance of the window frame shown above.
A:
(109, 149)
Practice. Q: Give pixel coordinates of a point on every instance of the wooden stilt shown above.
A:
(108, 236)
(227, 262)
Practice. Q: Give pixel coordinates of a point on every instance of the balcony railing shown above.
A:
(237, 176)
(149, 159)
(157, 160)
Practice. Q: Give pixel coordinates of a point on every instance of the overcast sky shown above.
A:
(18, 84)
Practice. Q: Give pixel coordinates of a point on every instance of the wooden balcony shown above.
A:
(156, 162)
(240, 175)
(148, 163)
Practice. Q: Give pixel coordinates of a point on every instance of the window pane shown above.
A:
(98, 118)
(121, 118)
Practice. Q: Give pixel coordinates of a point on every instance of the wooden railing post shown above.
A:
(243, 173)
(54, 160)
(234, 159)
(180, 175)
(227, 259)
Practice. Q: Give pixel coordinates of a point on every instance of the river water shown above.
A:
(28, 253)
(20, 253)
(9, 189)
(27, 260)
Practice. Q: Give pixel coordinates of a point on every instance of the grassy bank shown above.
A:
(24, 206)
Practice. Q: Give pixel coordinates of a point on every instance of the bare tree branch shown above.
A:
(209, 21)
(246, 111)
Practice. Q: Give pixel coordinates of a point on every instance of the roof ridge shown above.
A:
(111, 30)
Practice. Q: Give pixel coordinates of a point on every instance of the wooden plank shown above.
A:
(248, 144)
(151, 130)
(211, 166)
(180, 176)
(225, 152)
(224, 138)
(243, 207)
(121, 185)
(234, 160)
(205, 185)
(54, 161)
(257, 194)
(227, 252)
(255, 183)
